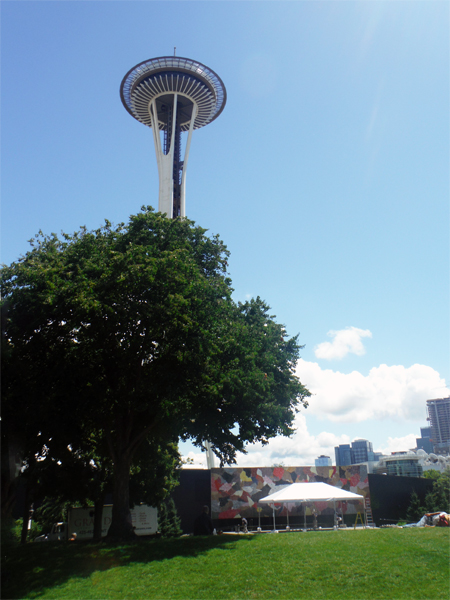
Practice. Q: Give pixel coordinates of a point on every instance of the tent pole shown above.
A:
(287, 516)
(304, 516)
(273, 510)
(335, 517)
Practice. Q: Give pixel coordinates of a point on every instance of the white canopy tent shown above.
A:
(302, 493)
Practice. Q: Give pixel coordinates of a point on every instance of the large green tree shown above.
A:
(129, 333)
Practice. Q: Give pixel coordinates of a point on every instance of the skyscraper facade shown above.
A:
(359, 452)
(343, 455)
(323, 461)
(424, 442)
(439, 418)
(362, 451)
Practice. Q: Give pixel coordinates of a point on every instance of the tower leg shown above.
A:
(185, 161)
(169, 164)
(165, 161)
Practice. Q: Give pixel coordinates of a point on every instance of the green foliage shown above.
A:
(439, 498)
(169, 523)
(431, 474)
(154, 474)
(415, 510)
(52, 510)
(16, 530)
(34, 531)
(430, 503)
(129, 334)
(10, 532)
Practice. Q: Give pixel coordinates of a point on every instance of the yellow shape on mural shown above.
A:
(244, 476)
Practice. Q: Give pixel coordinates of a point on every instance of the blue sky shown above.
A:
(327, 175)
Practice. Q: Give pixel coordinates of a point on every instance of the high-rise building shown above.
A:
(343, 455)
(172, 94)
(439, 417)
(424, 442)
(323, 461)
(360, 451)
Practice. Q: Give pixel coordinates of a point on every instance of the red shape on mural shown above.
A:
(228, 514)
(216, 484)
(354, 480)
(278, 472)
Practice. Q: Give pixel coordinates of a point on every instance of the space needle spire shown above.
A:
(172, 95)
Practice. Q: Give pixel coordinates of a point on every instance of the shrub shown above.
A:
(415, 509)
(169, 523)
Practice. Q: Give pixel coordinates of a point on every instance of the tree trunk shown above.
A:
(98, 517)
(8, 490)
(121, 527)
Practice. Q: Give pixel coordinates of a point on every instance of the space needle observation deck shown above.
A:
(172, 94)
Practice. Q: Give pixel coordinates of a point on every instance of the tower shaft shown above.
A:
(177, 162)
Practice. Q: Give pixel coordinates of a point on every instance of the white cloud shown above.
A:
(394, 392)
(387, 393)
(197, 460)
(345, 341)
(300, 449)
(399, 444)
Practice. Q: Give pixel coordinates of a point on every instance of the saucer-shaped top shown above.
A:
(160, 78)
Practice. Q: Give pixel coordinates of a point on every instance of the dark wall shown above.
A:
(193, 493)
(390, 496)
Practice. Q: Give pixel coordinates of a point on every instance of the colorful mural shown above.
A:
(235, 491)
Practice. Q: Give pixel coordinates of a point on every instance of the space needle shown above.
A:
(172, 95)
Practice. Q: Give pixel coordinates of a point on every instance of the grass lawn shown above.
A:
(353, 565)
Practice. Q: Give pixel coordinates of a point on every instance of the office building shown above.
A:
(343, 455)
(439, 418)
(360, 451)
(424, 442)
(323, 461)
(407, 464)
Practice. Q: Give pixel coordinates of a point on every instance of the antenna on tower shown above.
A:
(174, 50)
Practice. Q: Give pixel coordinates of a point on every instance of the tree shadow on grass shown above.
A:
(27, 571)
